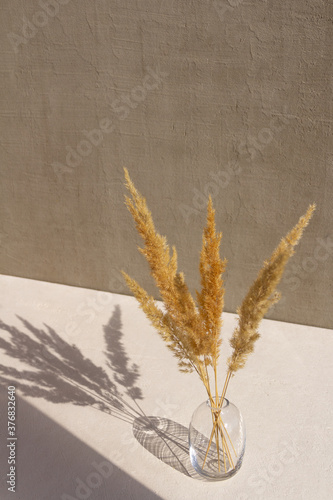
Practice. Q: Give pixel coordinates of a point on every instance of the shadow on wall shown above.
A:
(61, 374)
(52, 464)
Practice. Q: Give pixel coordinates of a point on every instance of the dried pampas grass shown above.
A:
(192, 330)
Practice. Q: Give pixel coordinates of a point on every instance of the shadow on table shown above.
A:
(118, 360)
(58, 372)
(53, 464)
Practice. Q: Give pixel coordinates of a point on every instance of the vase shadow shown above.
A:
(168, 441)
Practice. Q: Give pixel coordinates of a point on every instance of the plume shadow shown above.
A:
(118, 360)
(58, 372)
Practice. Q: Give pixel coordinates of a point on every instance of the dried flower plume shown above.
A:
(261, 295)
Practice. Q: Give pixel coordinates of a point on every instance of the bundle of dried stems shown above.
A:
(192, 331)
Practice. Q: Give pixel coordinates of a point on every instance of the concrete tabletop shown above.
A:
(88, 369)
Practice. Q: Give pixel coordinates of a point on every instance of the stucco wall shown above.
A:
(228, 98)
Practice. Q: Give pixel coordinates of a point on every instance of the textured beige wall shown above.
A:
(232, 98)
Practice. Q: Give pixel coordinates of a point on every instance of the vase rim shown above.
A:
(224, 404)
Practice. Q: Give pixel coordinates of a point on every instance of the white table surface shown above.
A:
(68, 349)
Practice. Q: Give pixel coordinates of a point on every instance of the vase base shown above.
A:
(214, 469)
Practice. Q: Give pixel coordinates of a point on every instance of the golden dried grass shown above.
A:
(192, 330)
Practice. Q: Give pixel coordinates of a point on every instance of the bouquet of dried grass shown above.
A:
(192, 330)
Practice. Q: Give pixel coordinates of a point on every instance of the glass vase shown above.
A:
(217, 440)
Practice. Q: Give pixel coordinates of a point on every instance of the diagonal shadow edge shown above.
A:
(54, 464)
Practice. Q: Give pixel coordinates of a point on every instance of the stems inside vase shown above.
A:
(218, 428)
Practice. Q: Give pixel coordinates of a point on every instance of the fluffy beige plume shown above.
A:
(176, 341)
(262, 295)
(211, 297)
(182, 315)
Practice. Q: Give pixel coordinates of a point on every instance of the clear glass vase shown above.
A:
(217, 440)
